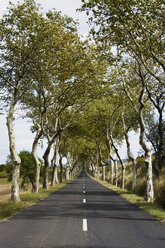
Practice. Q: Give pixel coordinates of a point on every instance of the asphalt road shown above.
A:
(82, 214)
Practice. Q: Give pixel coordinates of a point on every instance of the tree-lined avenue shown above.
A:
(57, 221)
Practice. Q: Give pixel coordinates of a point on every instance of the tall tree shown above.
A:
(21, 36)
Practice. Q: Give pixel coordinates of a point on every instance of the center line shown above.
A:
(84, 191)
(84, 200)
(85, 228)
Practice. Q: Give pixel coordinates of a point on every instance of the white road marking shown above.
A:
(84, 200)
(84, 191)
(85, 227)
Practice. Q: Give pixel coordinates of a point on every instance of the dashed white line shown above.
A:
(84, 191)
(84, 200)
(85, 227)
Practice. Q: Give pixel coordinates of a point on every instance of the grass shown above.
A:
(152, 208)
(4, 181)
(9, 208)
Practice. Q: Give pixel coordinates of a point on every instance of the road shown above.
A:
(82, 214)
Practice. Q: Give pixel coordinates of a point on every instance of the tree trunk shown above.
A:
(16, 161)
(96, 171)
(46, 167)
(121, 161)
(103, 173)
(108, 143)
(159, 154)
(150, 191)
(134, 178)
(68, 166)
(147, 149)
(126, 130)
(46, 154)
(123, 178)
(54, 162)
(92, 169)
(54, 179)
(61, 169)
(36, 161)
(116, 173)
(111, 171)
(158, 163)
(73, 170)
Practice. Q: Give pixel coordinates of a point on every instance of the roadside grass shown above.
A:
(9, 208)
(152, 208)
(4, 180)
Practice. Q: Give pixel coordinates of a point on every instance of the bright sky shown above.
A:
(24, 137)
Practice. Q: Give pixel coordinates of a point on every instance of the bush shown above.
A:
(159, 189)
(3, 174)
(141, 186)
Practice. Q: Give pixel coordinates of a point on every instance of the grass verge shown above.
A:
(9, 208)
(152, 208)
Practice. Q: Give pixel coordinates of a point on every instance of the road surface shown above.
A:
(82, 214)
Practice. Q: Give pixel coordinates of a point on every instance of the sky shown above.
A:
(23, 135)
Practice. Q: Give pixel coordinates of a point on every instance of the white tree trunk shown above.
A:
(96, 171)
(36, 161)
(131, 157)
(147, 149)
(68, 166)
(116, 172)
(150, 190)
(121, 161)
(111, 171)
(134, 178)
(16, 161)
(109, 146)
(123, 178)
(55, 161)
(103, 173)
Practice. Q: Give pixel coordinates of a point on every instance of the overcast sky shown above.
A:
(23, 135)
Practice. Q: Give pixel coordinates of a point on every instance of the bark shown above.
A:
(159, 155)
(111, 171)
(134, 179)
(46, 167)
(126, 130)
(68, 166)
(46, 155)
(100, 162)
(103, 173)
(54, 162)
(158, 163)
(92, 169)
(74, 168)
(147, 149)
(121, 161)
(54, 179)
(116, 172)
(61, 169)
(36, 161)
(108, 142)
(51, 140)
(16, 161)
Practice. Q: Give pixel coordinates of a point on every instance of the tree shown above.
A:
(136, 93)
(158, 144)
(21, 38)
(130, 120)
(73, 89)
(136, 27)
(136, 30)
